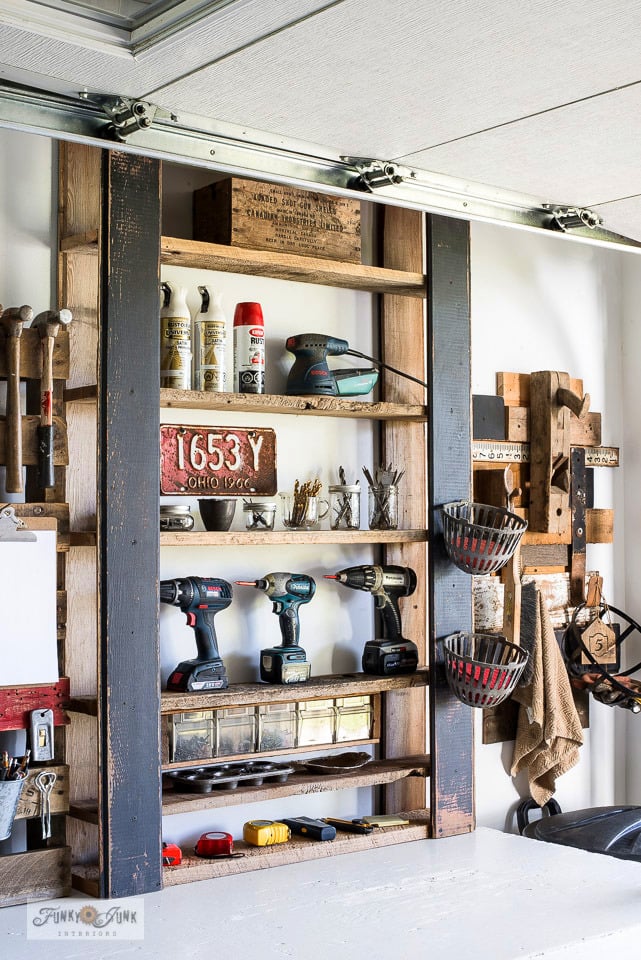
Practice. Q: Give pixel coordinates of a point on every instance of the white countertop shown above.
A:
(485, 895)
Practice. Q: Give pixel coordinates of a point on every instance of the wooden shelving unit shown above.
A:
(110, 210)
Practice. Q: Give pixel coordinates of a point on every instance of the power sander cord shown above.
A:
(379, 363)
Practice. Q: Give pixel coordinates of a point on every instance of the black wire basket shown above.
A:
(479, 538)
(482, 669)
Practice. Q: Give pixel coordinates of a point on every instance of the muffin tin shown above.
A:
(228, 776)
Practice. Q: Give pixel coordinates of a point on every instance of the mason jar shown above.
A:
(174, 516)
(345, 506)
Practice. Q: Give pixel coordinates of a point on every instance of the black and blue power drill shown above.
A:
(288, 662)
(393, 654)
(201, 598)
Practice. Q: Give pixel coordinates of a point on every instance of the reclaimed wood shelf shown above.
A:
(211, 538)
(376, 773)
(205, 538)
(280, 266)
(243, 694)
(296, 850)
(269, 403)
(283, 404)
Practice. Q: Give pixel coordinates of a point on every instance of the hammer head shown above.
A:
(12, 319)
(48, 322)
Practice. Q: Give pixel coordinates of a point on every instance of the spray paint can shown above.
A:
(175, 338)
(249, 349)
(210, 343)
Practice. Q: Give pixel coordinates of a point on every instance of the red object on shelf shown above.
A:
(16, 703)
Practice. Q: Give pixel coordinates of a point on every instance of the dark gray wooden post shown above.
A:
(128, 529)
(450, 478)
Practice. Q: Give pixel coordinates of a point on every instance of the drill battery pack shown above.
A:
(284, 665)
(385, 658)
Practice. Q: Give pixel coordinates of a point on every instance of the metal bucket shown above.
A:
(10, 791)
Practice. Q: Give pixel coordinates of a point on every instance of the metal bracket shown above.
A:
(375, 173)
(127, 116)
(568, 218)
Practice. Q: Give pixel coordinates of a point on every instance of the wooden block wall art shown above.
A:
(551, 401)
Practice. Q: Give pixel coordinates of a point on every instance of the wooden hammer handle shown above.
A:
(13, 433)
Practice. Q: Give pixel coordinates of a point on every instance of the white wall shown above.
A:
(543, 302)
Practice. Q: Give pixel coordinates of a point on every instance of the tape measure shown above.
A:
(508, 451)
(265, 833)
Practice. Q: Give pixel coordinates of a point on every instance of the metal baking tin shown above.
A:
(227, 776)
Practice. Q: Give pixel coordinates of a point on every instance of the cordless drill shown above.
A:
(393, 654)
(201, 598)
(288, 662)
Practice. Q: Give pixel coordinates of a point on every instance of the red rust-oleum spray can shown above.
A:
(249, 349)
(175, 338)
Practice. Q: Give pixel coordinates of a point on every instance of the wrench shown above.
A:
(44, 782)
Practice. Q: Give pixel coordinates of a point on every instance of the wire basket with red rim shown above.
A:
(482, 669)
(480, 538)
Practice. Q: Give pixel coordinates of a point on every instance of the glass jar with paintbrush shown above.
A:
(383, 497)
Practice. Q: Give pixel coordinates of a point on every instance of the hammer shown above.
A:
(48, 326)
(12, 320)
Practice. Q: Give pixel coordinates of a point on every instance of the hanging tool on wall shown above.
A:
(48, 325)
(552, 401)
(393, 654)
(200, 598)
(288, 662)
(12, 320)
(311, 374)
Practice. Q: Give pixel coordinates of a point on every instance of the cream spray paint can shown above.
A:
(210, 343)
(249, 348)
(175, 338)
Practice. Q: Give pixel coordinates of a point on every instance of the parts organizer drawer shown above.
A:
(205, 734)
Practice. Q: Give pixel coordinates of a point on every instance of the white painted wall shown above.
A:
(543, 302)
(538, 302)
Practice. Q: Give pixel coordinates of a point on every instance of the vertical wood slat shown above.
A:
(450, 478)
(405, 445)
(128, 530)
(79, 186)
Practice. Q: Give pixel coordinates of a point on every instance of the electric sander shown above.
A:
(311, 374)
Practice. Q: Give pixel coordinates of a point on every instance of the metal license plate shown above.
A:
(221, 461)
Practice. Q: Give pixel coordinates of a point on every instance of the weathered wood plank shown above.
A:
(583, 433)
(405, 446)
(128, 533)
(515, 388)
(35, 875)
(450, 478)
(316, 688)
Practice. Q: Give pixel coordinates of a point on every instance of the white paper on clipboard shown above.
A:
(28, 631)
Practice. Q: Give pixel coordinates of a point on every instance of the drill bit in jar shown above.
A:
(345, 504)
(383, 497)
(303, 509)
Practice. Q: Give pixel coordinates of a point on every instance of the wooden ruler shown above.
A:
(507, 451)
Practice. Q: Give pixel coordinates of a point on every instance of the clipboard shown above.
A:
(28, 584)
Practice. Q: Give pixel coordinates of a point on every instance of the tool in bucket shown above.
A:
(44, 783)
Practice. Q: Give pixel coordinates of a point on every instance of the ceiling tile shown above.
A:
(385, 79)
(583, 154)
